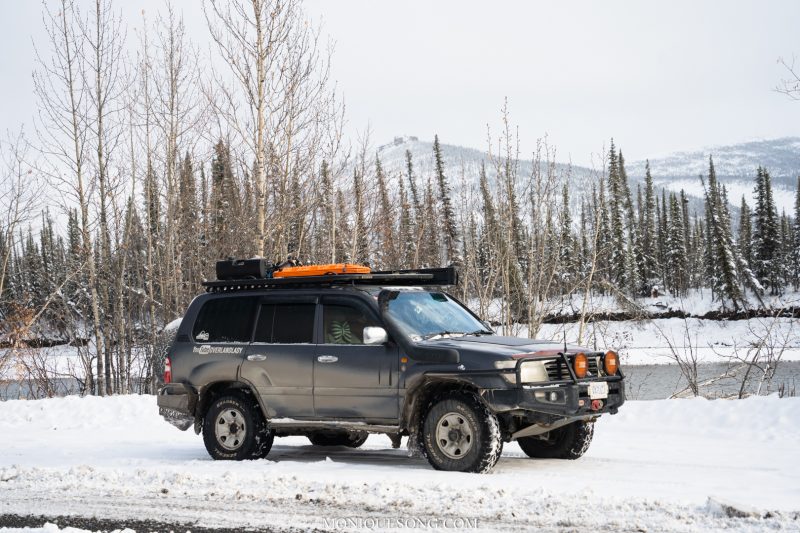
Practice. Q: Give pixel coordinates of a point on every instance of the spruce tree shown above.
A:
(430, 246)
(406, 230)
(386, 253)
(676, 249)
(796, 245)
(766, 234)
(616, 205)
(649, 246)
(722, 256)
(360, 244)
(328, 228)
(566, 253)
(448, 217)
(745, 240)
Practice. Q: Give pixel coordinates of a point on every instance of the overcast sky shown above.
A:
(657, 76)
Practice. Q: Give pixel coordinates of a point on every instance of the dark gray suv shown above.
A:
(336, 357)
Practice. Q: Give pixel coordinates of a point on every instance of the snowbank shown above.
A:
(660, 465)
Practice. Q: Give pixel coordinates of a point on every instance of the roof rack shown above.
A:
(446, 276)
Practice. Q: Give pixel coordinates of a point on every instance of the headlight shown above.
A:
(531, 371)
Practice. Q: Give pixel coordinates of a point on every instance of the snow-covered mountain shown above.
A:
(735, 166)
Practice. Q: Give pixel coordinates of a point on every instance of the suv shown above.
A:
(335, 357)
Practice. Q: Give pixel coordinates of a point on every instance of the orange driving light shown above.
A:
(581, 365)
(611, 363)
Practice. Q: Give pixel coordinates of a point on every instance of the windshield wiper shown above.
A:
(480, 332)
(440, 334)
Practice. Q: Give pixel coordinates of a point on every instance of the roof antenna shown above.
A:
(565, 340)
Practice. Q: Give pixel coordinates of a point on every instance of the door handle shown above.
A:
(257, 357)
(327, 358)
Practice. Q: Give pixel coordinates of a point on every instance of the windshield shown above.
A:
(428, 315)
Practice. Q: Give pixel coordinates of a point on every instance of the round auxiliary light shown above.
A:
(581, 365)
(611, 363)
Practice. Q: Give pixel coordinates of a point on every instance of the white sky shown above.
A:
(657, 76)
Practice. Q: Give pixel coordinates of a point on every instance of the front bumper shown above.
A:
(176, 404)
(567, 397)
(571, 399)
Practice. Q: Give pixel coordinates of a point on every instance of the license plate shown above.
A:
(598, 390)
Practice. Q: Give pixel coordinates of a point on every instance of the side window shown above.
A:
(343, 324)
(285, 323)
(225, 320)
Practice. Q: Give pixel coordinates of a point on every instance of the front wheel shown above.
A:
(234, 429)
(460, 434)
(567, 442)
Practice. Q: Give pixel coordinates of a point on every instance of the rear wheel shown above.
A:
(460, 434)
(338, 438)
(567, 442)
(234, 429)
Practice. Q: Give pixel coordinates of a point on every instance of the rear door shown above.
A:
(351, 379)
(279, 361)
(219, 340)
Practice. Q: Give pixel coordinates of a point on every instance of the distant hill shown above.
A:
(735, 165)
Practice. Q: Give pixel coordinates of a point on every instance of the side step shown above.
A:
(291, 423)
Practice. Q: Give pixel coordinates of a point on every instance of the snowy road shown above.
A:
(660, 465)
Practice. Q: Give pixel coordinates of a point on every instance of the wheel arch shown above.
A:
(418, 400)
(208, 393)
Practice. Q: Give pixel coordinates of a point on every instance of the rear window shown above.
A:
(225, 320)
(286, 323)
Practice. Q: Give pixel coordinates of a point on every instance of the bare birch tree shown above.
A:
(279, 104)
(63, 131)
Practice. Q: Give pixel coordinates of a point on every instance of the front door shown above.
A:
(351, 379)
(280, 360)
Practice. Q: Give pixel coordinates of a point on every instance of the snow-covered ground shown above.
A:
(664, 465)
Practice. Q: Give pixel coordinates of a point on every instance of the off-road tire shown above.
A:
(470, 415)
(567, 442)
(251, 438)
(345, 438)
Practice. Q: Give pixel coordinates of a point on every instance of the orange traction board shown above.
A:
(321, 270)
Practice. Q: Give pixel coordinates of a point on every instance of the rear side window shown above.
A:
(225, 320)
(285, 323)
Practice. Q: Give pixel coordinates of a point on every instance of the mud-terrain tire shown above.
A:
(345, 438)
(567, 442)
(460, 434)
(234, 429)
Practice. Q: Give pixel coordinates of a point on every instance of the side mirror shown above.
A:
(375, 335)
(487, 325)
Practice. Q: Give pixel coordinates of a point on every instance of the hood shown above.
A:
(496, 347)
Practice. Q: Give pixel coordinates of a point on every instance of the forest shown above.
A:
(149, 161)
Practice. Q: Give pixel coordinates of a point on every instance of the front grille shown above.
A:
(557, 371)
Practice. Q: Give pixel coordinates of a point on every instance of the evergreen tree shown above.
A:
(728, 266)
(766, 234)
(386, 253)
(327, 230)
(566, 253)
(406, 230)
(616, 205)
(449, 227)
(676, 249)
(430, 246)
(225, 205)
(360, 243)
(796, 245)
(745, 240)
